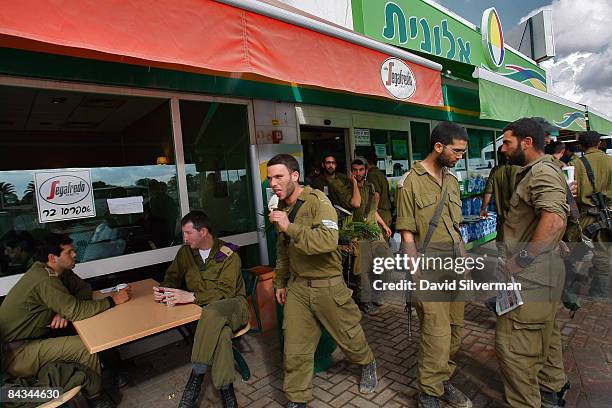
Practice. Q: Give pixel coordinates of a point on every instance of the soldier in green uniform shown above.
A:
(381, 187)
(527, 338)
(46, 298)
(206, 271)
(341, 190)
(602, 170)
(370, 248)
(500, 185)
(556, 150)
(309, 283)
(420, 190)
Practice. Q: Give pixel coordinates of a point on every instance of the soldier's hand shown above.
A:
(388, 231)
(58, 322)
(177, 296)
(121, 297)
(484, 213)
(280, 218)
(573, 186)
(158, 293)
(281, 296)
(512, 268)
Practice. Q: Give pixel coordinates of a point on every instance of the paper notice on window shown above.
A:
(127, 205)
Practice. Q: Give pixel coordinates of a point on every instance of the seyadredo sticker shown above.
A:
(398, 79)
(64, 195)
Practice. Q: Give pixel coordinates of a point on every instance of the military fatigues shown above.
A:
(27, 311)
(218, 287)
(339, 189)
(308, 264)
(527, 339)
(602, 256)
(441, 321)
(381, 186)
(501, 184)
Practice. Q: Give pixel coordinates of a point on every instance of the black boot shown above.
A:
(192, 390)
(100, 401)
(228, 397)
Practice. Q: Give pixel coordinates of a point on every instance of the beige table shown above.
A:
(140, 317)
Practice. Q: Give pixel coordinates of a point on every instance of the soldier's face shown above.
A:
(359, 172)
(450, 154)
(193, 237)
(330, 164)
(281, 181)
(512, 149)
(67, 258)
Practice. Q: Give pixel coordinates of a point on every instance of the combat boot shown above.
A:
(228, 397)
(100, 401)
(455, 398)
(296, 405)
(192, 390)
(369, 379)
(428, 401)
(554, 399)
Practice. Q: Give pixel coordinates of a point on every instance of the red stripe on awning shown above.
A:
(209, 35)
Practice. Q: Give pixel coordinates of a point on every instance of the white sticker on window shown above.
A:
(330, 224)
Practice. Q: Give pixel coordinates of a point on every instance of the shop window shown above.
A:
(481, 149)
(119, 139)
(216, 143)
(419, 135)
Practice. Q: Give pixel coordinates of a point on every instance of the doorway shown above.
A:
(318, 141)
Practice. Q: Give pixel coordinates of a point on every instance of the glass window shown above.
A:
(391, 149)
(419, 134)
(481, 149)
(118, 138)
(216, 143)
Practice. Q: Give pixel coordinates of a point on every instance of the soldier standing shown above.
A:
(341, 190)
(209, 269)
(527, 338)
(601, 168)
(309, 283)
(45, 299)
(381, 188)
(428, 217)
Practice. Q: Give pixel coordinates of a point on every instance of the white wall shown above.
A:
(336, 11)
(270, 116)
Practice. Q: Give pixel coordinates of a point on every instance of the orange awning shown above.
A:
(207, 35)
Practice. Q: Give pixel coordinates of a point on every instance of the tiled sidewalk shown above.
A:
(157, 379)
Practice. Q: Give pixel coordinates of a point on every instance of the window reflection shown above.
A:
(118, 138)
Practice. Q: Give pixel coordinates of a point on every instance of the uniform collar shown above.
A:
(217, 243)
(420, 170)
(546, 157)
(594, 152)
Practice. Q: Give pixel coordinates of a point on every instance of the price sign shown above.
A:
(64, 195)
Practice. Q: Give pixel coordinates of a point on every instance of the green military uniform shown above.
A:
(309, 265)
(572, 159)
(527, 339)
(501, 184)
(339, 189)
(602, 254)
(27, 311)
(381, 186)
(441, 321)
(218, 287)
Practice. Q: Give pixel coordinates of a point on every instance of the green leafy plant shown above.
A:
(358, 230)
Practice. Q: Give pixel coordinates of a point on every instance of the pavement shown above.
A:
(157, 378)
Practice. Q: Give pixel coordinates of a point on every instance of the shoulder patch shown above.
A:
(400, 182)
(225, 251)
(330, 224)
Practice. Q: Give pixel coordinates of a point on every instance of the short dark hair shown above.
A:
(445, 133)
(589, 139)
(328, 155)
(199, 219)
(371, 157)
(554, 147)
(527, 127)
(286, 160)
(358, 162)
(51, 244)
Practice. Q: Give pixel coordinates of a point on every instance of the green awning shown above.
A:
(599, 122)
(506, 100)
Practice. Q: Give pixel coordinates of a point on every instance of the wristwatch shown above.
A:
(523, 259)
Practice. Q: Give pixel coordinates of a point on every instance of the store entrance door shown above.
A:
(320, 141)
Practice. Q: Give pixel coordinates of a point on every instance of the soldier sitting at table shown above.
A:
(209, 270)
(42, 303)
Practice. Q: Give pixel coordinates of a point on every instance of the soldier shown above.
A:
(46, 298)
(601, 165)
(556, 150)
(209, 270)
(381, 188)
(527, 338)
(309, 283)
(548, 128)
(367, 249)
(426, 192)
(341, 190)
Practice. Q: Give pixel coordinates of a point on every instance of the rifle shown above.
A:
(601, 212)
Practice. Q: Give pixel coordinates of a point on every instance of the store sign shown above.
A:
(398, 79)
(362, 137)
(64, 195)
(493, 39)
(420, 26)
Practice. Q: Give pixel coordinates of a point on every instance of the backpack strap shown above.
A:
(433, 224)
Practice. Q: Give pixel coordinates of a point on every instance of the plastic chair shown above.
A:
(250, 286)
(243, 367)
(67, 396)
